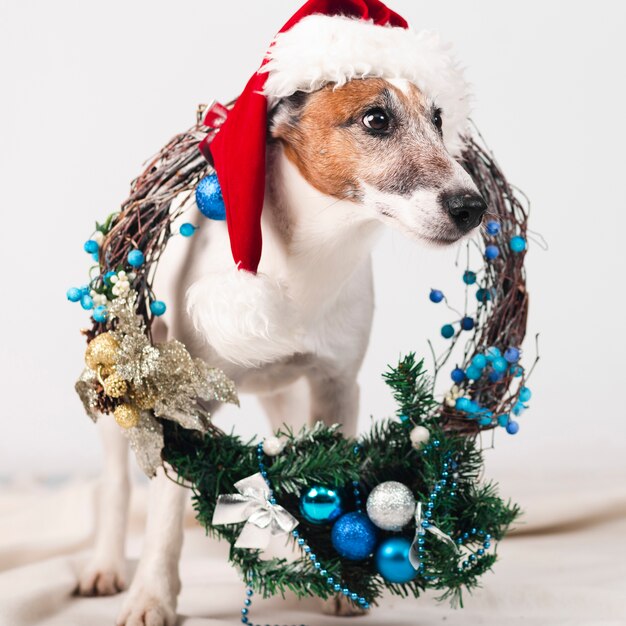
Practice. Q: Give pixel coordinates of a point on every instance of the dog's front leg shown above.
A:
(105, 572)
(153, 594)
(335, 400)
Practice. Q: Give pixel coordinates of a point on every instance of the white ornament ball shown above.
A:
(391, 505)
(420, 436)
(273, 446)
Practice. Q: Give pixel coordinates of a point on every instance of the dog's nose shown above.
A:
(466, 209)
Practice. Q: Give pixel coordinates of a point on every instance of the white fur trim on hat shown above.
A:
(247, 318)
(323, 49)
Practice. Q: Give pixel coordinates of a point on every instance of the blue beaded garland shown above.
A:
(158, 307)
(392, 560)
(436, 296)
(320, 504)
(354, 536)
(209, 198)
(135, 258)
(74, 294)
(447, 331)
(517, 244)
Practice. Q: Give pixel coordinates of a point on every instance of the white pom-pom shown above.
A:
(247, 318)
(420, 436)
(272, 446)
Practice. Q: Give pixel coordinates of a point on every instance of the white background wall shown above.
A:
(90, 90)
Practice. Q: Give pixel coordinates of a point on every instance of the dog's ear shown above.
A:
(285, 116)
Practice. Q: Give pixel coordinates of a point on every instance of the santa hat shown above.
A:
(326, 41)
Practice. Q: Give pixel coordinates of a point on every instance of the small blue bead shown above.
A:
(158, 307)
(317, 565)
(487, 537)
(85, 290)
(100, 314)
(517, 370)
(525, 394)
(345, 591)
(244, 620)
(499, 364)
(244, 611)
(436, 296)
(95, 256)
(135, 258)
(503, 420)
(428, 514)
(472, 557)
(187, 229)
(512, 354)
(330, 580)
(492, 353)
(462, 404)
(307, 549)
(483, 295)
(457, 375)
(492, 252)
(519, 408)
(517, 244)
(248, 602)
(495, 377)
(512, 428)
(354, 596)
(480, 551)
(467, 323)
(91, 246)
(487, 545)
(469, 278)
(425, 524)
(249, 592)
(86, 302)
(473, 372)
(337, 587)
(295, 533)
(493, 227)
(479, 360)
(447, 331)
(465, 535)
(300, 541)
(73, 294)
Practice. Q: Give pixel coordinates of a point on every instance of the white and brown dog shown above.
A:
(352, 146)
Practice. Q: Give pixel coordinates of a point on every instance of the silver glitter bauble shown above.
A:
(391, 505)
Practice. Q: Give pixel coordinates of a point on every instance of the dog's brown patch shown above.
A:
(324, 137)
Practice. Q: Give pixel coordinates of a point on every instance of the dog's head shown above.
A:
(379, 144)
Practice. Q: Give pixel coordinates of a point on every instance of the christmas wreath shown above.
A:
(402, 507)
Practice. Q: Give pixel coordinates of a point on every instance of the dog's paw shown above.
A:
(146, 608)
(340, 606)
(102, 579)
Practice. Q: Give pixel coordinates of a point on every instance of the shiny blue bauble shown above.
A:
(436, 296)
(91, 246)
(320, 505)
(354, 536)
(517, 244)
(512, 428)
(392, 560)
(209, 198)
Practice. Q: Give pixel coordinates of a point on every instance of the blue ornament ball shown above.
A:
(492, 252)
(447, 331)
(135, 258)
(436, 296)
(209, 198)
(467, 323)
(90, 246)
(512, 355)
(457, 375)
(354, 536)
(512, 427)
(187, 229)
(517, 244)
(392, 560)
(493, 227)
(158, 307)
(74, 294)
(525, 394)
(321, 505)
(100, 314)
(492, 353)
(469, 278)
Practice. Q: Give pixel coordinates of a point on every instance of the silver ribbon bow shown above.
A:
(420, 531)
(252, 505)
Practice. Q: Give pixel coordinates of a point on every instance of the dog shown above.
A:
(343, 163)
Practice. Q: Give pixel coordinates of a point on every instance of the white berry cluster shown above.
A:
(99, 299)
(452, 395)
(121, 283)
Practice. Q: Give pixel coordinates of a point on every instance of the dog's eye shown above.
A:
(437, 121)
(376, 120)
